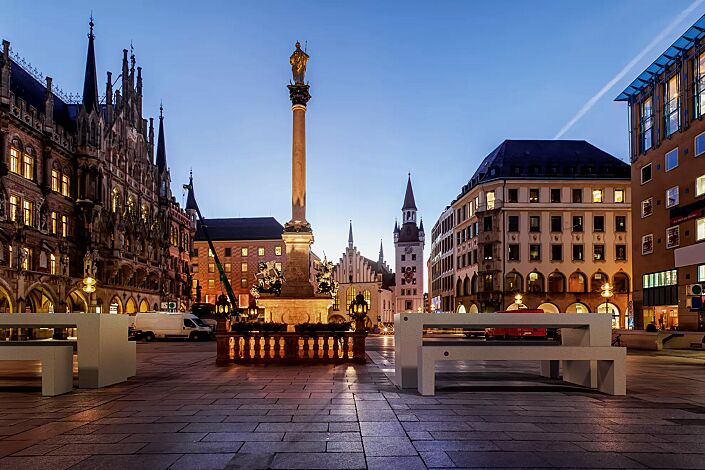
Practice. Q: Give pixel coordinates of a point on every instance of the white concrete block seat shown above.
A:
(105, 355)
(610, 376)
(585, 352)
(56, 358)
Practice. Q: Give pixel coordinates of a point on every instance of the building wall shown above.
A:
(409, 288)
(442, 270)
(474, 263)
(206, 277)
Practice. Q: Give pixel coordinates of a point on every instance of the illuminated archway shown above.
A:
(144, 306)
(116, 303)
(6, 305)
(40, 299)
(76, 302)
(461, 308)
(577, 307)
(473, 309)
(131, 306)
(549, 307)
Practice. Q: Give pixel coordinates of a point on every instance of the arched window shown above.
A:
(66, 182)
(28, 160)
(620, 283)
(367, 295)
(15, 156)
(473, 284)
(466, 286)
(56, 177)
(145, 213)
(534, 282)
(131, 205)
(577, 283)
(350, 294)
(597, 281)
(513, 282)
(556, 282)
(459, 288)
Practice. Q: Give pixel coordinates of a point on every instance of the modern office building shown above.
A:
(666, 104)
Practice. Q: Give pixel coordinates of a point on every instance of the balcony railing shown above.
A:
(290, 348)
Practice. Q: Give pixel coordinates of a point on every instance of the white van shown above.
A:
(152, 325)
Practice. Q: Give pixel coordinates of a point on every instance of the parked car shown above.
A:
(153, 325)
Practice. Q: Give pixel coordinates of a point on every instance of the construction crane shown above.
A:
(191, 203)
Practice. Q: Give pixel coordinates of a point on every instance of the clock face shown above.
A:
(408, 250)
(409, 275)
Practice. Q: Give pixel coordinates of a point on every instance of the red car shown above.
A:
(515, 333)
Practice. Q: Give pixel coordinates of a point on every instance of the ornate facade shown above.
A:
(356, 274)
(81, 185)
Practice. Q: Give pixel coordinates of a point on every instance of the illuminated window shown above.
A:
(211, 283)
(54, 222)
(211, 267)
(228, 267)
(671, 106)
(55, 180)
(701, 273)
(243, 282)
(700, 185)
(278, 266)
(194, 268)
(260, 251)
(64, 226)
(10, 261)
(533, 195)
(28, 213)
(278, 251)
(671, 159)
(490, 200)
(672, 197)
(65, 185)
(597, 195)
(210, 253)
(647, 124)
(26, 262)
(145, 213)
(14, 207)
(28, 165)
(244, 252)
(115, 200)
(700, 229)
(14, 160)
(619, 196)
(52, 264)
(243, 267)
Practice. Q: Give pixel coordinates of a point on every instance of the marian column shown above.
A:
(298, 235)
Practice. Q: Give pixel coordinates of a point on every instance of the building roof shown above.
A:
(241, 228)
(548, 159)
(25, 86)
(161, 145)
(90, 81)
(409, 202)
(383, 269)
(409, 233)
(686, 41)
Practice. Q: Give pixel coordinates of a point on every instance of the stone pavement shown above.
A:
(183, 412)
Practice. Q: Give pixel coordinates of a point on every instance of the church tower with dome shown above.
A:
(408, 247)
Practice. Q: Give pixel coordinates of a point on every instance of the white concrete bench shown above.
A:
(584, 330)
(56, 359)
(610, 362)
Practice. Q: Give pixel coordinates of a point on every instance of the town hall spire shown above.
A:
(90, 81)
(161, 145)
(350, 236)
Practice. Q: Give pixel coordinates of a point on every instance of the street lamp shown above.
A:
(517, 300)
(222, 306)
(358, 309)
(606, 293)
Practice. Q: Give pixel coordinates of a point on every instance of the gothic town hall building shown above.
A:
(81, 180)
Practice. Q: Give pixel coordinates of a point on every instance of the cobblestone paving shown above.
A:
(183, 412)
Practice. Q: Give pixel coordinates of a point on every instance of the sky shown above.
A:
(428, 88)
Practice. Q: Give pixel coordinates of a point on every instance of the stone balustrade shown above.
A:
(254, 347)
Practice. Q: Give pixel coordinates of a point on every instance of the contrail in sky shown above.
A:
(659, 37)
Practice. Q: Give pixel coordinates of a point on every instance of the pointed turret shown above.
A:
(161, 146)
(90, 80)
(190, 197)
(409, 202)
(421, 225)
(350, 236)
(381, 253)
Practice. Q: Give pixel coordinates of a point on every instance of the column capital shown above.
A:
(299, 94)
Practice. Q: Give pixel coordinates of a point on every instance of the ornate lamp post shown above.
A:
(357, 310)
(89, 282)
(222, 306)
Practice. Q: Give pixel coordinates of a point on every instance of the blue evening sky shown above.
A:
(429, 88)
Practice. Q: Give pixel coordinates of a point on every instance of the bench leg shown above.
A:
(611, 377)
(550, 369)
(577, 372)
(426, 374)
(57, 372)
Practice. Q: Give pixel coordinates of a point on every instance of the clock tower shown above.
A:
(408, 247)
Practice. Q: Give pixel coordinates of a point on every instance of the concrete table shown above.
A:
(105, 356)
(577, 329)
